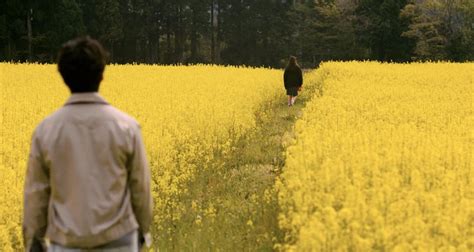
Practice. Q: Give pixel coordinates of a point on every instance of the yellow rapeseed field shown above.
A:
(382, 157)
(383, 161)
(188, 115)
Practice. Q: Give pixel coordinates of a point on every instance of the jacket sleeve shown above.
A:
(300, 78)
(36, 196)
(139, 184)
(285, 79)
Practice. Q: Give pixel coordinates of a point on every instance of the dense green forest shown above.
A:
(249, 32)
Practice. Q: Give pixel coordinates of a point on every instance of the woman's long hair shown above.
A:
(292, 64)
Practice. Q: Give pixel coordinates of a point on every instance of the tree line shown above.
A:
(242, 32)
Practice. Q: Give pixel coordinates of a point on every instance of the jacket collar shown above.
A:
(90, 97)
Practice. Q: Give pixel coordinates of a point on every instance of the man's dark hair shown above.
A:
(81, 62)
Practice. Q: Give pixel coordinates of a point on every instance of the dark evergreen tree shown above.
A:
(249, 32)
(379, 28)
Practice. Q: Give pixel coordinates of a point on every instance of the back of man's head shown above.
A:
(81, 62)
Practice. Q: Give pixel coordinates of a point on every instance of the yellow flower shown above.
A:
(188, 116)
(382, 160)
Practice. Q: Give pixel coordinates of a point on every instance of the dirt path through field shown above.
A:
(238, 209)
(231, 204)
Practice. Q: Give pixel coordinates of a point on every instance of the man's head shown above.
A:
(81, 62)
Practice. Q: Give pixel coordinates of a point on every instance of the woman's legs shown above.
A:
(289, 100)
(293, 99)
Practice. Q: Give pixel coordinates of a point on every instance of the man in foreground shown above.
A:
(88, 181)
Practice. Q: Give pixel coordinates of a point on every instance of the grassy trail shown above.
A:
(233, 206)
(257, 161)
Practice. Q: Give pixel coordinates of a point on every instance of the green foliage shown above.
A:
(379, 28)
(254, 32)
(109, 21)
(424, 29)
(324, 31)
(249, 32)
(441, 29)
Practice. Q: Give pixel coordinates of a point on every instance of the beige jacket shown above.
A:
(88, 180)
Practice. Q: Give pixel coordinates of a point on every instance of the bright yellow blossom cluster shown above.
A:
(188, 116)
(383, 161)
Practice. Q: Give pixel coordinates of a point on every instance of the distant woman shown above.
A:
(293, 79)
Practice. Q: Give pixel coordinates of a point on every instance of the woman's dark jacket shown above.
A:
(293, 77)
